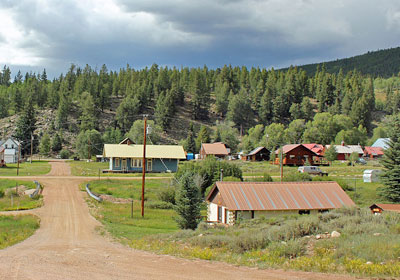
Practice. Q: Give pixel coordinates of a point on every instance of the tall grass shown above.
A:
(14, 229)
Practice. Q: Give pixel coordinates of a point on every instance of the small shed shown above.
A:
(379, 208)
(218, 150)
(371, 175)
(296, 154)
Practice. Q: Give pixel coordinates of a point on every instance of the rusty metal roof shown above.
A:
(215, 148)
(281, 195)
(256, 150)
(388, 207)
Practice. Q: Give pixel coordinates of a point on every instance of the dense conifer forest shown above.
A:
(240, 106)
(381, 63)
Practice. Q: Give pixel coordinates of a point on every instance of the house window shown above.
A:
(135, 162)
(303, 212)
(291, 156)
(252, 214)
(149, 166)
(219, 214)
(6, 146)
(117, 162)
(12, 146)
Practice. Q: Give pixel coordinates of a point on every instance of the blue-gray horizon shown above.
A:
(52, 35)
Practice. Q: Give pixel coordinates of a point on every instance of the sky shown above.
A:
(53, 34)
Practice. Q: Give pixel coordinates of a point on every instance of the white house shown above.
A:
(11, 147)
(229, 201)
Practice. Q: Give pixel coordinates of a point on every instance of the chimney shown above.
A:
(342, 143)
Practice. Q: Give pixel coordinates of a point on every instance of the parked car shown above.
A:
(313, 170)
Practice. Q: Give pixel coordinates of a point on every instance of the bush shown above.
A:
(167, 195)
(160, 205)
(64, 154)
(296, 177)
(1, 193)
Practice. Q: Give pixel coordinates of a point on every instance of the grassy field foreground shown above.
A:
(26, 169)
(369, 245)
(14, 229)
(10, 201)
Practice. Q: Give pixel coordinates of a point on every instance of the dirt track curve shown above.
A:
(67, 247)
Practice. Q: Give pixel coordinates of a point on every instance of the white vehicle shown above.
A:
(313, 170)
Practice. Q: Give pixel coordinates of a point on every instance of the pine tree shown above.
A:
(127, 112)
(44, 147)
(88, 117)
(190, 143)
(188, 202)
(56, 143)
(26, 126)
(391, 164)
(202, 137)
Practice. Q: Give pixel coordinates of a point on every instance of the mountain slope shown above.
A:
(382, 63)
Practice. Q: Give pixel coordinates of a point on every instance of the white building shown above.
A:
(10, 150)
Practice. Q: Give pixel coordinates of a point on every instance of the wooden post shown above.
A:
(89, 149)
(144, 163)
(31, 146)
(281, 162)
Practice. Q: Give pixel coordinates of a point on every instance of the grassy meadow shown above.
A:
(14, 229)
(26, 169)
(10, 201)
(368, 245)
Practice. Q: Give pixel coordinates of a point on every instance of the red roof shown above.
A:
(289, 147)
(214, 149)
(375, 151)
(388, 207)
(280, 195)
(316, 148)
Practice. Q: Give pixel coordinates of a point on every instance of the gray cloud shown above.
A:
(52, 34)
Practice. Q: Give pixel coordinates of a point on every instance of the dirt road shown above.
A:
(67, 247)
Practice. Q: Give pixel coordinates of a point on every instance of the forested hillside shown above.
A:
(193, 105)
(381, 63)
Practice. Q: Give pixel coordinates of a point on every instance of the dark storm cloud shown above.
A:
(52, 34)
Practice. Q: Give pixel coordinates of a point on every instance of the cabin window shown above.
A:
(6, 146)
(303, 212)
(117, 162)
(322, 210)
(12, 146)
(291, 156)
(219, 214)
(135, 162)
(252, 214)
(149, 166)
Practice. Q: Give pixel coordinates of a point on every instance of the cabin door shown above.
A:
(124, 165)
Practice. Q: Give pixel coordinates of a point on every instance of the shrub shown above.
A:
(160, 205)
(265, 178)
(249, 240)
(167, 195)
(1, 193)
(64, 154)
(290, 249)
(296, 177)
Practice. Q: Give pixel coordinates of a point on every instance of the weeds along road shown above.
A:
(66, 246)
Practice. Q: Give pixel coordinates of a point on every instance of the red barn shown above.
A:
(296, 154)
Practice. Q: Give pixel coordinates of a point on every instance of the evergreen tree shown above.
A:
(188, 201)
(44, 148)
(89, 141)
(88, 117)
(202, 137)
(391, 164)
(127, 112)
(190, 143)
(137, 130)
(56, 143)
(26, 126)
(239, 110)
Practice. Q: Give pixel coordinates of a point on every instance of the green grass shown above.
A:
(14, 229)
(26, 169)
(84, 168)
(117, 217)
(8, 203)
(129, 188)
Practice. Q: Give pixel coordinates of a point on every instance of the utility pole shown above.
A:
(88, 149)
(281, 161)
(144, 163)
(19, 151)
(31, 146)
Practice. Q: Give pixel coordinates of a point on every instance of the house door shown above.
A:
(226, 216)
(124, 165)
